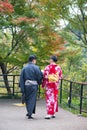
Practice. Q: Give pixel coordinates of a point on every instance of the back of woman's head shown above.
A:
(54, 58)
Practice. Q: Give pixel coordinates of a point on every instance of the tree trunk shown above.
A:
(4, 72)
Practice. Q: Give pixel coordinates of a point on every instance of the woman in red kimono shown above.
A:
(52, 75)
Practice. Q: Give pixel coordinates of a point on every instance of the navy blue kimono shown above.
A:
(30, 78)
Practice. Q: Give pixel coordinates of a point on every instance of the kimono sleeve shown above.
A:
(22, 82)
(60, 74)
(39, 75)
(45, 79)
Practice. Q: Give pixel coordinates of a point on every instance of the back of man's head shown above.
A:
(32, 57)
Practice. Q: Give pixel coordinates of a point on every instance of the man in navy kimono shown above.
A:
(30, 78)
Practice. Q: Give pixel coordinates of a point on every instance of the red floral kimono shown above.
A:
(52, 74)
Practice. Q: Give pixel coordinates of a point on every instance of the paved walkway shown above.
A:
(13, 118)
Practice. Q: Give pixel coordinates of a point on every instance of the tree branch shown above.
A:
(17, 42)
(12, 69)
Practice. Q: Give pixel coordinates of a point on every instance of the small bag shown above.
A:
(23, 98)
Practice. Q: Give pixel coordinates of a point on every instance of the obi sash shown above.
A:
(31, 82)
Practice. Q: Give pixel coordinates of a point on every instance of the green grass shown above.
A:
(76, 104)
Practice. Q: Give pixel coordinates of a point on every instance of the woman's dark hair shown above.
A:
(32, 57)
(54, 58)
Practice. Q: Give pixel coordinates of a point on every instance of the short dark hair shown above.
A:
(54, 58)
(32, 57)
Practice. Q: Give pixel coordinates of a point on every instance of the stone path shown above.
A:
(13, 118)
